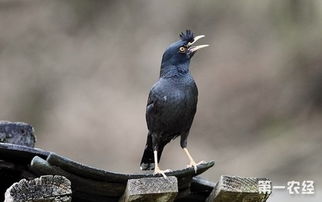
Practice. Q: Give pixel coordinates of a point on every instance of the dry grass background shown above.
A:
(80, 72)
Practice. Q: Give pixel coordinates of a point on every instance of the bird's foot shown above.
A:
(194, 165)
(157, 170)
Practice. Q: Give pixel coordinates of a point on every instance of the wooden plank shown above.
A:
(46, 189)
(237, 189)
(156, 189)
(17, 133)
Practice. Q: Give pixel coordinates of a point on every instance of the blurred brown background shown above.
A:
(80, 73)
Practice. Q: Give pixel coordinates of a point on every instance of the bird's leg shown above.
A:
(157, 170)
(192, 162)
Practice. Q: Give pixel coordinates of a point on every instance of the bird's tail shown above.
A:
(147, 162)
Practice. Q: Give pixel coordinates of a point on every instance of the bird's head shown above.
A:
(180, 52)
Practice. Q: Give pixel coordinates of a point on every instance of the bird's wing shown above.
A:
(158, 107)
(162, 109)
(152, 109)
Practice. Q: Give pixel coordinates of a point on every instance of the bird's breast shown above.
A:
(176, 92)
(173, 106)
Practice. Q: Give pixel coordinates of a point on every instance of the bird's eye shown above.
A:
(182, 49)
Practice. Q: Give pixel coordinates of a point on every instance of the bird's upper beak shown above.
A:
(192, 48)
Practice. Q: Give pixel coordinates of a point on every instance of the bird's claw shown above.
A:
(162, 172)
(194, 165)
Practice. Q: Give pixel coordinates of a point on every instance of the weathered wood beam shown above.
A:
(47, 188)
(151, 189)
(237, 189)
(17, 133)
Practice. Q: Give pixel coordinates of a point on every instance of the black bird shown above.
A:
(172, 102)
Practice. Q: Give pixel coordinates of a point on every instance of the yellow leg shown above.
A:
(157, 170)
(192, 162)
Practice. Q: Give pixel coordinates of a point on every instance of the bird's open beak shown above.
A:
(193, 49)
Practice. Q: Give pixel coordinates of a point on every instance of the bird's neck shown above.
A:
(168, 71)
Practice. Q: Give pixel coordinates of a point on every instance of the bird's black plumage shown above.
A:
(172, 101)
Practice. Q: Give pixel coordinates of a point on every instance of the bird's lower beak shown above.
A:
(193, 49)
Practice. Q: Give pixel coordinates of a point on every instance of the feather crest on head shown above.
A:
(188, 36)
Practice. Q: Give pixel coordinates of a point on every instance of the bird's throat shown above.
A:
(174, 71)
